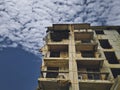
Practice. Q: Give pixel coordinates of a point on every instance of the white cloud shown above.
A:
(24, 21)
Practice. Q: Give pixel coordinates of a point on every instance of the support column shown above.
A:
(73, 75)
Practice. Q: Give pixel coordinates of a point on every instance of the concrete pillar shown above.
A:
(73, 75)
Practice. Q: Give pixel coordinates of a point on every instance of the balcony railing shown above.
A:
(86, 46)
(54, 74)
(60, 62)
(53, 84)
(64, 41)
(57, 47)
(59, 78)
(83, 34)
(90, 62)
(94, 81)
(93, 75)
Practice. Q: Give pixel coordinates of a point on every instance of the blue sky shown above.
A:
(19, 69)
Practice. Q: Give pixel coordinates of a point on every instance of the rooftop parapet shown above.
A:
(81, 26)
(66, 26)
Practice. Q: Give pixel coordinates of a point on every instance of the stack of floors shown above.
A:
(74, 58)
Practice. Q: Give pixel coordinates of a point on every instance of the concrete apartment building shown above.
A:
(80, 57)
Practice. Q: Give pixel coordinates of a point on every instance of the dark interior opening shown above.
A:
(86, 41)
(99, 31)
(58, 35)
(115, 72)
(111, 57)
(118, 30)
(52, 74)
(87, 54)
(55, 54)
(93, 76)
(105, 44)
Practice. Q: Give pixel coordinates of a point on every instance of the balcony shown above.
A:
(57, 47)
(60, 62)
(95, 85)
(61, 27)
(83, 34)
(63, 74)
(62, 42)
(53, 84)
(86, 46)
(81, 26)
(54, 78)
(56, 51)
(94, 81)
(58, 36)
(90, 62)
(84, 75)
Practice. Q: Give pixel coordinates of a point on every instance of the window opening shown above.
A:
(111, 57)
(99, 31)
(115, 72)
(118, 31)
(105, 44)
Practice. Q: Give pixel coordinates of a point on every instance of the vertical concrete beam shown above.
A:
(72, 61)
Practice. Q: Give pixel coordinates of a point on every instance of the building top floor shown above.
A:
(79, 26)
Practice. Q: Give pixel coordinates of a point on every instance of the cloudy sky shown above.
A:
(23, 22)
